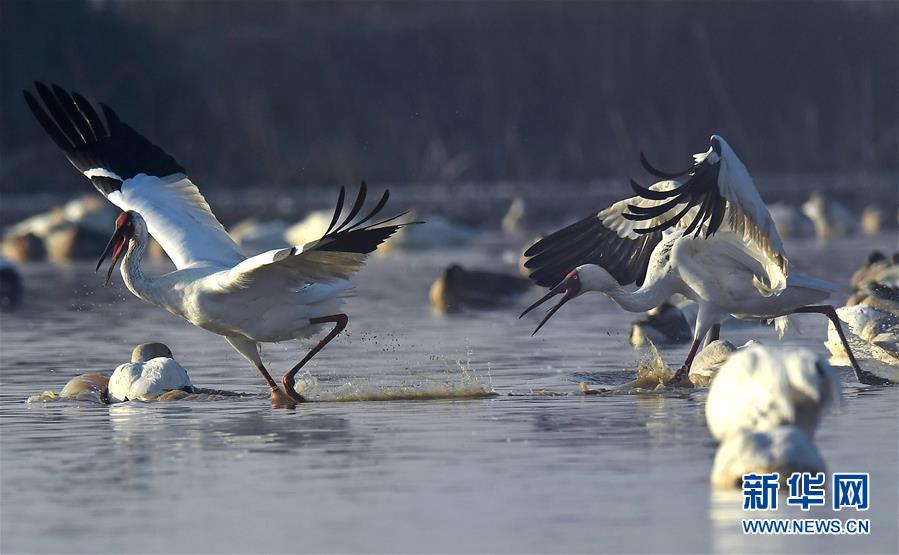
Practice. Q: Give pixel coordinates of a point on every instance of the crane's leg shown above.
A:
(250, 351)
(713, 335)
(685, 369)
(705, 323)
(862, 376)
(340, 322)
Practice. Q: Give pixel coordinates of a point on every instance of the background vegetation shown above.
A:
(283, 93)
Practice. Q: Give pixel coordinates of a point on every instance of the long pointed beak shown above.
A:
(562, 287)
(116, 244)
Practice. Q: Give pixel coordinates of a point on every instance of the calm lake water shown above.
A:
(539, 468)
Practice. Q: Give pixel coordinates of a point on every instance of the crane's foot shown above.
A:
(678, 376)
(289, 386)
(868, 378)
(282, 398)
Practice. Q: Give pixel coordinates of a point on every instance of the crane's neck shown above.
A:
(141, 285)
(645, 298)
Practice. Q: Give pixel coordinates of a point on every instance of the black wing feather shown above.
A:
(659, 173)
(77, 129)
(588, 241)
(90, 114)
(337, 210)
(82, 125)
(375, 210)
(47, 123)
(353, 236)
(700, 188)
(59, 114)
(718, 212)
(357, 206)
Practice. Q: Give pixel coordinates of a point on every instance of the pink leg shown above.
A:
(686, 367)
(287, 380)
(862, 376)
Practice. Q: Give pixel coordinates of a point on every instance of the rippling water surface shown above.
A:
(526, 472)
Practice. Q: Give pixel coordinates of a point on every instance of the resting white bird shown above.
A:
(783, 449)
(151, 372)
(760, 388)
(719, 249)
(278, 295)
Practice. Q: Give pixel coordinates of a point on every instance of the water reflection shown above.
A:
(271, 434)
(524, 473)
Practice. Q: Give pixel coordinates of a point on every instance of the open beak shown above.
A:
(570, 291)
(116, 244)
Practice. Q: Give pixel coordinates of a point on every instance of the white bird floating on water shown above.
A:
(275, 296)
(791, 222)
(719, 249)
(439, 233)
(784, 449)
(760, 388)
(151, 372)
(70, 232)
(710, 360)
(764, 407)
(310, 228)
(256, 237)
(832, 218)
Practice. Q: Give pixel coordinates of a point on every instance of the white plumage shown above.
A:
(179, 218)
(134, 381)
(760, 388)
(709, 239)
(784, 449)
(721, 274)
(278, 295)
(718, 192)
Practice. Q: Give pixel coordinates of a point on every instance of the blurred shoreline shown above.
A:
(285, 93)
(482, 204)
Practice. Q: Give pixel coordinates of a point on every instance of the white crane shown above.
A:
(278, 295)
(719, 248)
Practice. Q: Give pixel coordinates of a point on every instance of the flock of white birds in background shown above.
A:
(702, 237)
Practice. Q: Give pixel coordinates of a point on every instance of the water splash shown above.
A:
(464, 384)
(652, 375)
